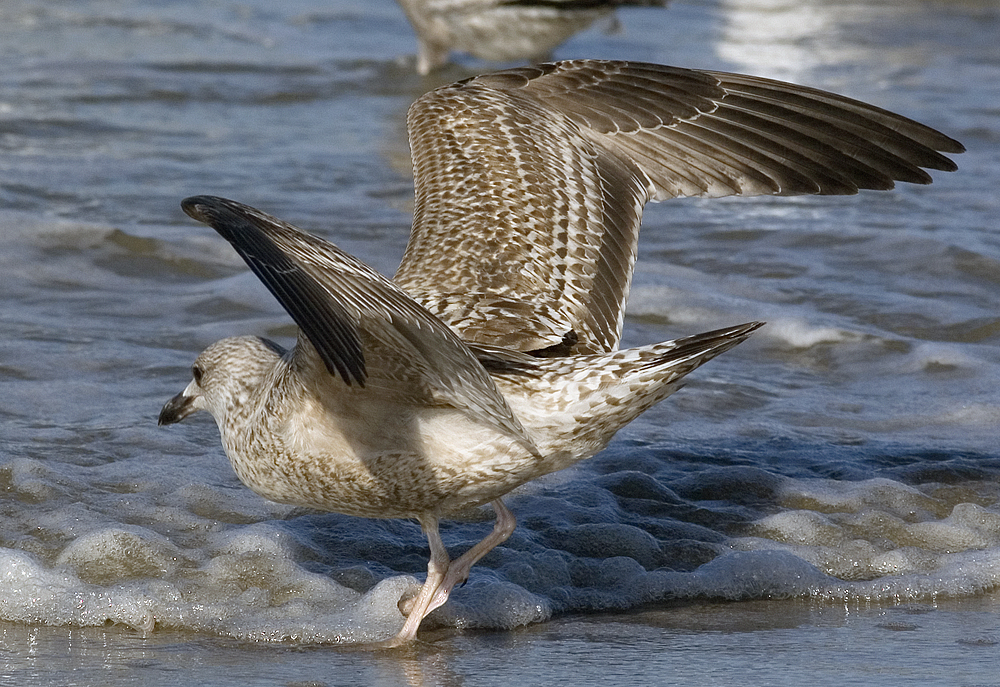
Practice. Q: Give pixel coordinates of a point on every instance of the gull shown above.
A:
(492, 358)
(501, 30)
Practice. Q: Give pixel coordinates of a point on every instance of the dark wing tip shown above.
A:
(734, 335)
(320, 316)
(947, 144)
(200, 207)
(715, 341)
(942, 143)
(743, 330)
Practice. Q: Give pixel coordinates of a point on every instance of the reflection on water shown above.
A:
(787, 40)
(767, 642)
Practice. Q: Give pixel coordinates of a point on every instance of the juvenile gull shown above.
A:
(492, 358)
(501, 30)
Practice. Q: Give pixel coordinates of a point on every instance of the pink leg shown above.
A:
(458, 571)
(436, 571)
(443, 574)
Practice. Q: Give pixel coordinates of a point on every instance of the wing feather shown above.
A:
(530, 182)
(363, 328)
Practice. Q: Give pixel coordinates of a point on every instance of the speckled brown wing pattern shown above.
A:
(530, 182)
(524, 231)
(362, 327)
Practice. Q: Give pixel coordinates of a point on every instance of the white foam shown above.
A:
(800, 334)
(928, 356)
(121, 553)
(979, 415)
(492, 603)
(250, 589)
(34, 593)
(885, 540)
(147, 549)
(688, 306)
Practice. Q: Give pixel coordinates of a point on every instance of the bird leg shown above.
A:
(443, 574)
(458, 570)
(437, 567)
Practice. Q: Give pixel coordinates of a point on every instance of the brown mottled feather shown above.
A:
(360, 325)
(492, 359)
(530, 182)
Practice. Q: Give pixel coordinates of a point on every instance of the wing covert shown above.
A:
(530, 182)
(346, 311)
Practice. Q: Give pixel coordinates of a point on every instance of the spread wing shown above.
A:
(362, 327)
(530, 182)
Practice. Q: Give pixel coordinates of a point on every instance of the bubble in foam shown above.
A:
(885, 541)
(801, 527)
(833, 496)
(35, 481)
(251, 587)
(310, 619)
(903, 561)
(36, 594)
(254, 589)
(120, 553)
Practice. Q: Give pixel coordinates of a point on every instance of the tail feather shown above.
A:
(573, 406)
(663, 366)
(699, 348)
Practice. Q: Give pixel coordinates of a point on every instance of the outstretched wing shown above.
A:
(530, 182)
(362, 327)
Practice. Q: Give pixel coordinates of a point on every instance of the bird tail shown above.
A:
(573, 406)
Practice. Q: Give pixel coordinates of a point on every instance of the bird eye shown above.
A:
(196, 373)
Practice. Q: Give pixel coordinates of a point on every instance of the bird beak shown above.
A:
(176, 409)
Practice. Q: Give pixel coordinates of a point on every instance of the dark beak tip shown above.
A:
(175, 410)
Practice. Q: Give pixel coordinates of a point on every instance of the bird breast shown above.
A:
(364, 456)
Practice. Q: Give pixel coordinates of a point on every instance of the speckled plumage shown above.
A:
(560, 159)
(492, 357)
(501, 30)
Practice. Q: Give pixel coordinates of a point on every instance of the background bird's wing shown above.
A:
(363, 328)
(530, 182)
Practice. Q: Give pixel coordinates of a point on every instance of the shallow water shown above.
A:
(781, 643)
(833, 481)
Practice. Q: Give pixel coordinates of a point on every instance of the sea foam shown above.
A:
(220, 560)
